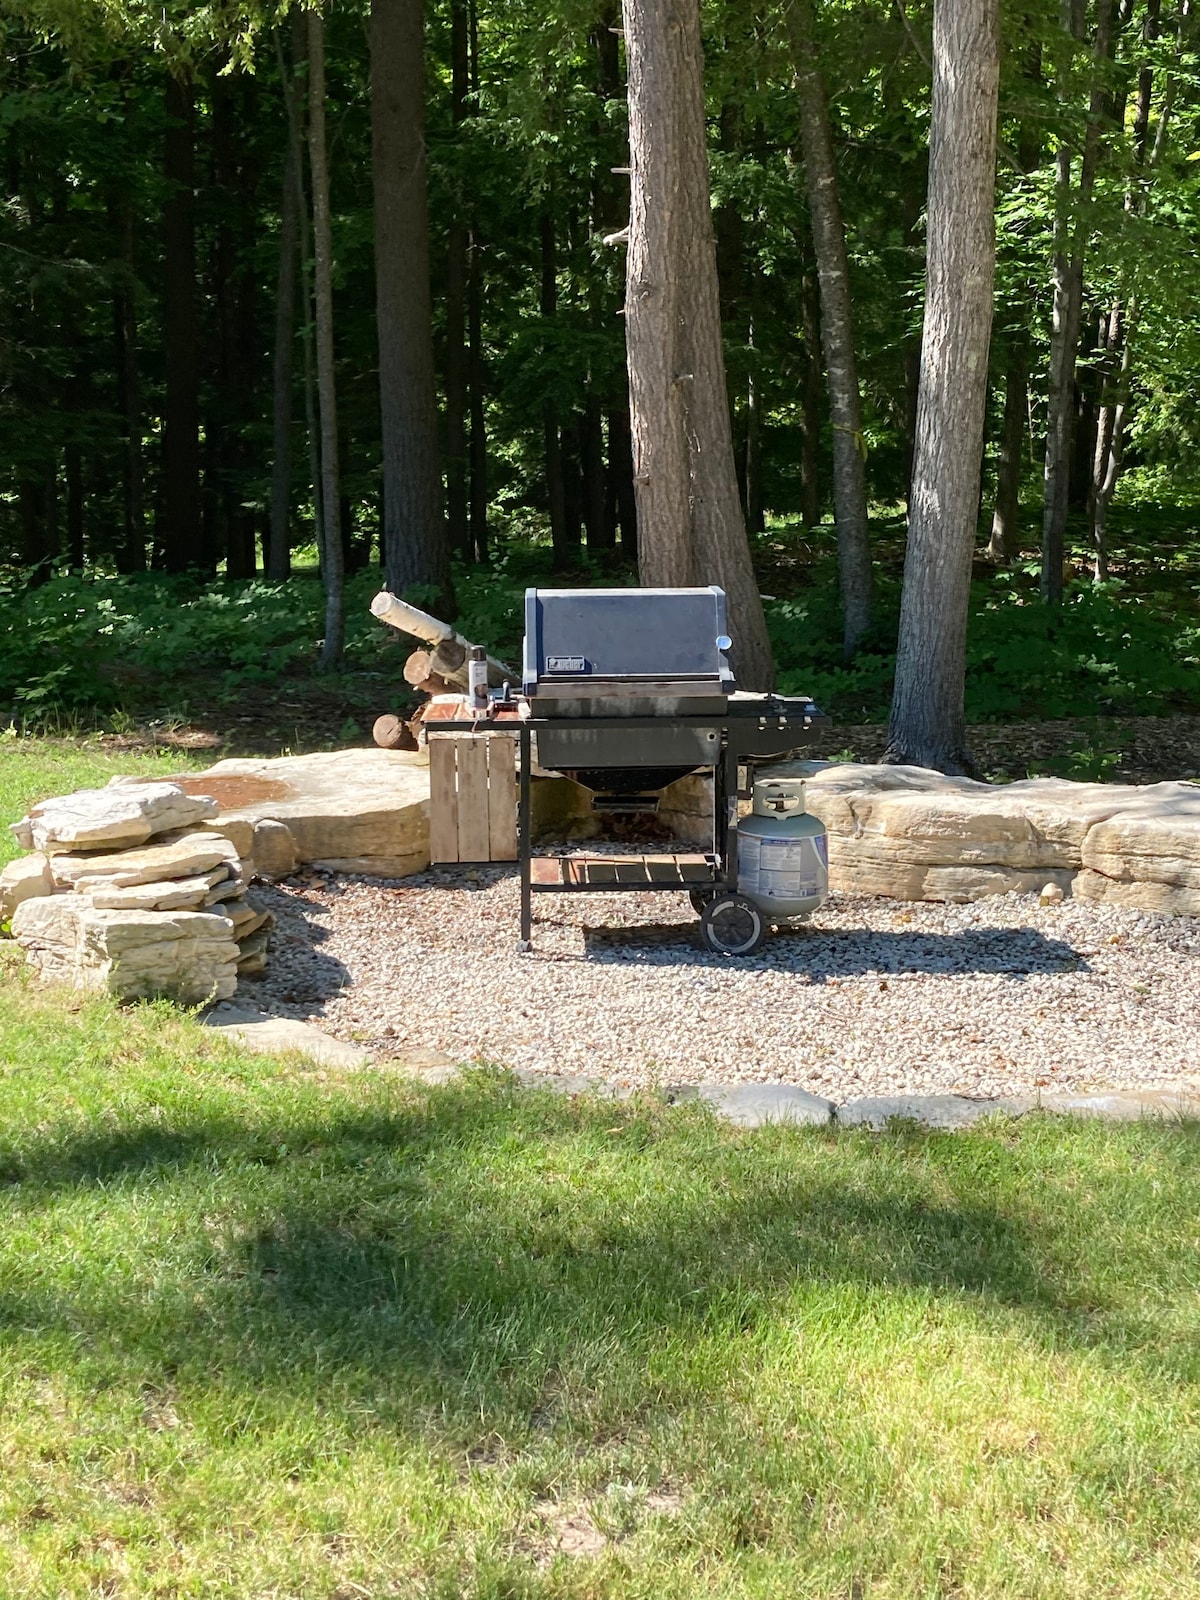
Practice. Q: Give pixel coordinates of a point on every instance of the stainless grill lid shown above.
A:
(586, 643)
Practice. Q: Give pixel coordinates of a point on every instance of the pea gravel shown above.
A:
(872, 997)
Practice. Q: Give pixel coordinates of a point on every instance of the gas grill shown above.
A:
(624, 691)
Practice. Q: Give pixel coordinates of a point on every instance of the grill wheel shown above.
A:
(732, 925)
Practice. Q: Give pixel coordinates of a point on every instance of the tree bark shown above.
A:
(478, 463)
(179, 537)
(1123, 315)
(556, 499)
(1006, 515)
(414, 528)
(837, 330)
(132, 554)
(810, 402)
(332, 559)
(927, 723)
(690, 526)
(457, 515)
(1070, 241)
(279, 556)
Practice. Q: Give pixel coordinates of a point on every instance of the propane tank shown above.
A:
(783, 852)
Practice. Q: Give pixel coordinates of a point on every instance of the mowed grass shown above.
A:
(33, 769)
(267, 1331)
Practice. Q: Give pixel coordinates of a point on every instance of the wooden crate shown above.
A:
(472, 797)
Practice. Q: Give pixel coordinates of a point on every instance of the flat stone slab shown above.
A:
(366, 806)
(268, 1035)
(128, 812)
(946, 1111)
(756, 1105)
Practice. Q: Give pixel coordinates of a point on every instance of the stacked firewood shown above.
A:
(438, 667)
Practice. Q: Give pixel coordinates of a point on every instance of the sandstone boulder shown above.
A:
(918, 835)
(127, 812)
(189, 956)
(23, 879)
(365, 804)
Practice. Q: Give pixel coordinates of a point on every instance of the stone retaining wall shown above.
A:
(918, 835)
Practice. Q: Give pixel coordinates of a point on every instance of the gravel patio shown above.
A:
(874, 996)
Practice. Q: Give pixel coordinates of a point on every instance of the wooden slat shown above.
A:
(473, 841)
(502, 798)
(546, 869)
(443, 799)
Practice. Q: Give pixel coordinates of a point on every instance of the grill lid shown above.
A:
(581, 643)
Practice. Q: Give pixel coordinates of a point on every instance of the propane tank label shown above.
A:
(781, 869)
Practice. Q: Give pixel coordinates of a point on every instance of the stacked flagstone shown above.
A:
(128, 891)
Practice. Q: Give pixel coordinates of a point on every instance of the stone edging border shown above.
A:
(747, 1105)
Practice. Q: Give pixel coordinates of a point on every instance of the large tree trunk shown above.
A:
(179, 538)
(1006, 515)
(132, 554)
(414, 529)
(837, 332)
(332, 558)
(457, 515)
(279, 558)
(927, 723)
(1122, 318)
(810, 402)
(1071, 228)
(690, 527)
(556, 496)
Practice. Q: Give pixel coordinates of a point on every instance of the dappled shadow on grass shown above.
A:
(462, 1249)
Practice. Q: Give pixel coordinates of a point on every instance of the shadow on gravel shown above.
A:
(823, 953)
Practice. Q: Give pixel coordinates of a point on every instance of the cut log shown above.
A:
(418, 667)
(419, 672)
(389, 733)
(408, 619)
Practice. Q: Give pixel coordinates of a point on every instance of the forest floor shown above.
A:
(283, 1331)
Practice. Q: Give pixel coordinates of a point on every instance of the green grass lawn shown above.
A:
(33, 769)
(267, 1331)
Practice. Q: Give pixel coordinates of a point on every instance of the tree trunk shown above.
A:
(837, 332)
(478, 464)
(1070, 241)
(132, 555)
(414, 529)
(810, 402)
(179, 538)
(620, 499)
(690, 527)
(1123, 318)
(1006, 532)
(457, 515)
(927, 722)
(73, 469)
(475, 381)
(556, 491)
(332, 562)
(279, 556)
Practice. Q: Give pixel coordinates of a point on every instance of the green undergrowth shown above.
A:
(101, 647)
(272, 1331)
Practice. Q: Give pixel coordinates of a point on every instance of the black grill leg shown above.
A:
(524, 843)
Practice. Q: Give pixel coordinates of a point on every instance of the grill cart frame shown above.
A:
(750, 730)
